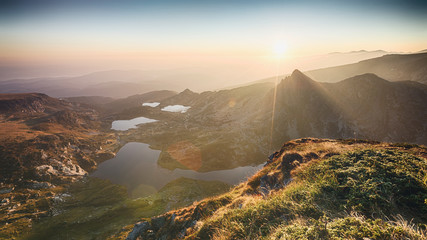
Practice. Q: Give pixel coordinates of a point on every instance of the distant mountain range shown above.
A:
(393, 67)
(119, 83)
(113, 84)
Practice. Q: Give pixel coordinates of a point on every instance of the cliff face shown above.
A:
(314, 188)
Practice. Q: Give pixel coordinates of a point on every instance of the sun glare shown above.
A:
(279, 49)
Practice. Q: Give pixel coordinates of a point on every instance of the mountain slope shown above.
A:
(219, 124)
(313, 189)
(393, 67)
(366, 106)
(233, 127)
(30, 103)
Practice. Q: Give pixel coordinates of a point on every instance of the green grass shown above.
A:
(354, 195)
(98, 209)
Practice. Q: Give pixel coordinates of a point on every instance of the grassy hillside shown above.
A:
(96, 208)
(313, 189)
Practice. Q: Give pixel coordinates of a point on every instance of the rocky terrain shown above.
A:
(312, 189)
(45, 144)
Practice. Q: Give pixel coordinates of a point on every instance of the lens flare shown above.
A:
(232, 103)
(274, 104)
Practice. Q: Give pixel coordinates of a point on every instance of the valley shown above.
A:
(213, 120)
(125, 159)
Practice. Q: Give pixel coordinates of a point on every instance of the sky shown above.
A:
(74, 37)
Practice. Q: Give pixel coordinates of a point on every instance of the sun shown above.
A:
(279, 49)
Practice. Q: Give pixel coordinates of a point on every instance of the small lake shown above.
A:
(176, 108)
(151, 104)
(123, 125)
(135, 165)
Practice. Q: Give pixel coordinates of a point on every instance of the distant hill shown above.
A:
(92, 100)
(115, 84)
(124, 83)
(30, 103)
(393, 67)
(136, 101)
(307, 63)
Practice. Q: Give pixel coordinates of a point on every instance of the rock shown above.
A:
(330, 154)
(138, 229)
(173, 218)
(5, 201)
(267, 183)
(289, 161)
(6, 190)
(39, 185)
(60, 197)
(158, 222)
(311, 155)
(271, 158)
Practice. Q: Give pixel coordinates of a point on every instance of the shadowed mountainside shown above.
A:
(364, 106)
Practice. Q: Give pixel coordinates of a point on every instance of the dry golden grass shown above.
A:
(12, 130)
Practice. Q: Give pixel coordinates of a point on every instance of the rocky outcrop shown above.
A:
(29, 103)
(139, 229)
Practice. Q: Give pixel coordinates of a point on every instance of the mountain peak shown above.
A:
(368, 78)
(298, 76)
(297, 73)
(187, 91)
(298, 80)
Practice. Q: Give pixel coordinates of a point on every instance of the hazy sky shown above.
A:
(123, 33)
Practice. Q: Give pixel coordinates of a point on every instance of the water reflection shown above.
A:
(123, 125)
(136, 164)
